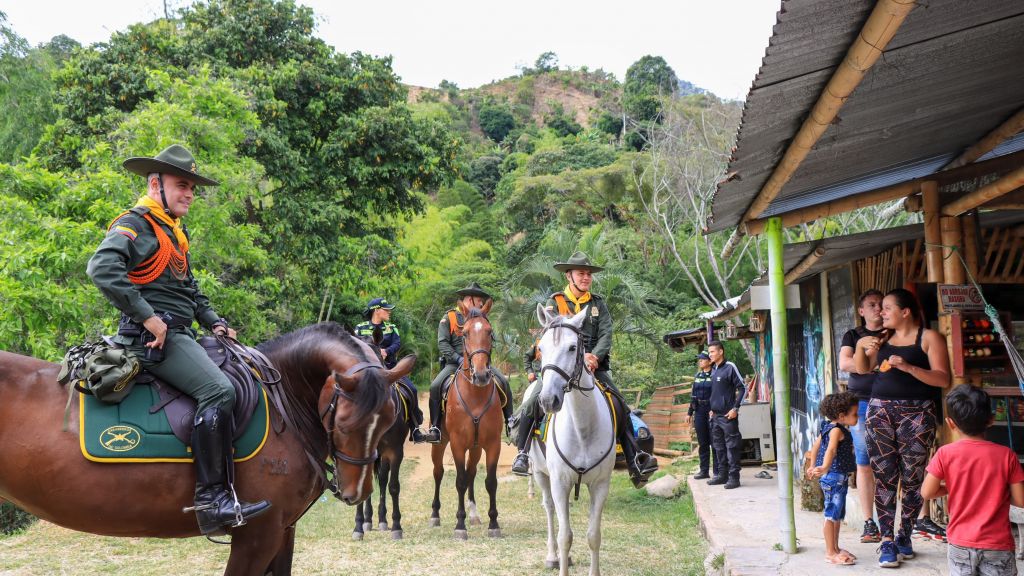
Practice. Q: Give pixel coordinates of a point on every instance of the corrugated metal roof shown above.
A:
(951, 74)
(840, 250)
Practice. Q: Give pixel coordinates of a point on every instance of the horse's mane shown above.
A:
(303, 358)
(476, 313)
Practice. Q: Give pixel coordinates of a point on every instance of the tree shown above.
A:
(546, 62)
(496, 120)
(648, 81)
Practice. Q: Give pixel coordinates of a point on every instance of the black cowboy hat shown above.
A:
(473, 289)
(578, 261)
(175, 159)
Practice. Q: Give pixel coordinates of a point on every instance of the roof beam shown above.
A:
(972, 200)
(1005, 130)
(887, 193)
(804, 265)
(874, 36)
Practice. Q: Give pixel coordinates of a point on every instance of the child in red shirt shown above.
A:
(982, 479)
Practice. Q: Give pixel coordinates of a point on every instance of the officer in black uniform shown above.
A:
(700, 406)
(377, 331)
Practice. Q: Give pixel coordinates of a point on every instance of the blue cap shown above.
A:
(379, 303)
(703, 355)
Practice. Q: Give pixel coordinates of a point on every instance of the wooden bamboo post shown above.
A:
(932, 231)
(952, 266)
(1002, 186)
(969, 223)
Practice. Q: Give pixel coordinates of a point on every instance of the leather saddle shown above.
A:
(246, 368)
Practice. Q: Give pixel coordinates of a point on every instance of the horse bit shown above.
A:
(331, 410)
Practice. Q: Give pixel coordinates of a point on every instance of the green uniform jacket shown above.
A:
(449, 344)
(129, 242)
(596, 329)
(531, 359)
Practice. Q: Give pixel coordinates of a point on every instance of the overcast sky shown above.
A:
(717, 45)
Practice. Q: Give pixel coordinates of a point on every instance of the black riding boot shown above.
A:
(216, 504)
(641, 464)
(524, 436)
(433, 435)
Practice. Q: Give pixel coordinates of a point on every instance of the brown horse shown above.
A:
(323, 370)
(472, 422)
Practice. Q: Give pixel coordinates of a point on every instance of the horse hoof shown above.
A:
(494, 533)
(383, 526)
(551, 564)
(434, 522)
(367, 527)
(474, 522)
(357, 536)
(461, 535)
(396, 534)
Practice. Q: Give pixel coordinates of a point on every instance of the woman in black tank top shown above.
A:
(912, 365)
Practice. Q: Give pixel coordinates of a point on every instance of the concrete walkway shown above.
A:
(742, 528)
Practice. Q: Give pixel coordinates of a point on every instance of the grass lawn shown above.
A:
(642, 536)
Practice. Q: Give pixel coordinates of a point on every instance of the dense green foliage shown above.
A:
(336, 190)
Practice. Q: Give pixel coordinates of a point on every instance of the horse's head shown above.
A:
(561, 356)
(363, 410)
(477, 339)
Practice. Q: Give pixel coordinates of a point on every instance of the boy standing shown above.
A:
(834, 462)
(982, 479)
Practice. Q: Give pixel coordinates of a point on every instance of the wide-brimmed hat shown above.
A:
(578, 261)
(175, 159)
(473, 289)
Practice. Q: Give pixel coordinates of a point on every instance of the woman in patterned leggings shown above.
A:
(901, 419)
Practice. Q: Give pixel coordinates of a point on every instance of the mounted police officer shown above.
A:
(699, 414)
(143, 268)
(597, 337)
(377, 331)
(450, 346)
(531, 358)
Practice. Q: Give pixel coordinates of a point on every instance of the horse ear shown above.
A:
(487, 306)
(578, 319)
(542, 315)
(347, 383)
(402, 369)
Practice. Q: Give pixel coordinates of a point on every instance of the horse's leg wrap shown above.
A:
(216, 504)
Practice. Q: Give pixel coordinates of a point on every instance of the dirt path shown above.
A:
(422, 471)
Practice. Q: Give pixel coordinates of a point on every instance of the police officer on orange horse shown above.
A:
(597, 342)
(450, 346)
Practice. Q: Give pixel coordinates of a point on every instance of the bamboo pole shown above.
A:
(1006, 184)
(952, 267)
(1012, 126)
(932, 231)
(803, 266)
(969, 223)
(864, 51)
(780, 372)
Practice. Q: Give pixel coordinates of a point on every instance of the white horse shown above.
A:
(580, 445)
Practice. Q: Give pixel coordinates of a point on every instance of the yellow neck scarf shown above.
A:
(578, 302)
(157, 211)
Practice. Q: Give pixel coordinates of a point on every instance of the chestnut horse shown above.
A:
(472, 422)
(332, 401)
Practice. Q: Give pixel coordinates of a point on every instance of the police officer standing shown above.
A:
(727, 393)
(377, 331)
(699, 414)
(143, 268)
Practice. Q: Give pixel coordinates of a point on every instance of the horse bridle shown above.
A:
(330, 411)
(571, 380)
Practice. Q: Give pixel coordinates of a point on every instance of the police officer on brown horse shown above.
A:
(597, 343)
(143, 268)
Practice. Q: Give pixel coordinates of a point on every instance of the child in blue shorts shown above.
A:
(833, 463)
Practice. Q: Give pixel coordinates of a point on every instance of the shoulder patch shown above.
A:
(126, 228)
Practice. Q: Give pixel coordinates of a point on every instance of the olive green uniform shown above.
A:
(531, 360)
(597, 340)
(451, 347)
(185, 364)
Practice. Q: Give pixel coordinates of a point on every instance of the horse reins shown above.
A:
(572, 381)
(466, 408)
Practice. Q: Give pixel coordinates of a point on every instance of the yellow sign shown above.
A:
(120, 438)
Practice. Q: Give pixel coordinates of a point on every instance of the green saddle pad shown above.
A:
(128, 433)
